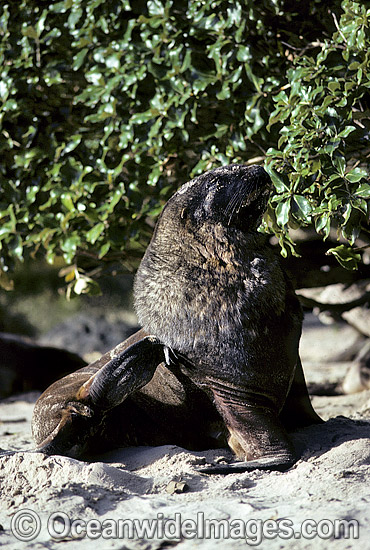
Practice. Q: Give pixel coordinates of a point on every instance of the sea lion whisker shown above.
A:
(235, 204)
(230, 208)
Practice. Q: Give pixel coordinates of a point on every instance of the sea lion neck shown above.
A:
(208, 244)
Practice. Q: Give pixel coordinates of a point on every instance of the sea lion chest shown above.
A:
(214, 295)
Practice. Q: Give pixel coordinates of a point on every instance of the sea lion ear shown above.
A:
(184, 214)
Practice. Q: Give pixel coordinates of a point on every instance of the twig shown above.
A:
(337, 25)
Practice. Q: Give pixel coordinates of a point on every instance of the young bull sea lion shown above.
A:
(221, 320)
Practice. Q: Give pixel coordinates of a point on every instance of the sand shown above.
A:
(322, 502)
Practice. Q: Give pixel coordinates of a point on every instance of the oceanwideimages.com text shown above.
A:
(26, 525)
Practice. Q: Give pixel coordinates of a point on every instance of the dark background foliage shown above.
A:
(108, 106)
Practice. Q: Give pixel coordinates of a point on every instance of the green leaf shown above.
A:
(243, 53)
(67, 201)
(95, 232)
(280, 182)
(69, 247)
(322, 224)
(79, 58)
(104, 250)
(282, 212)
(362, 205)
(331, 178)
(304, 206)
(141, 118)
(155, 7)
(356, 174)
(347, 212)
(363, 191)
(345, 133)
(346, 256)
(333, 86)
(74, 17)
(340, 164)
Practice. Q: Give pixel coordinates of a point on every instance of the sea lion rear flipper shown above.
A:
(298, 411)
(256, 433)
(72, 411)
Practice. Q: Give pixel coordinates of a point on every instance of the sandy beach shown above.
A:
(155, 497)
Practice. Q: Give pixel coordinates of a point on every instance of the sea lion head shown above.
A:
(234, 196)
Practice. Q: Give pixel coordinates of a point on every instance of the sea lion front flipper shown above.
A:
(125, 373)
(256, 434)
(297, 411)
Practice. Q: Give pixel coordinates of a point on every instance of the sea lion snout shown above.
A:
(235, 195)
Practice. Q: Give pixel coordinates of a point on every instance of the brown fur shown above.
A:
(226, 326)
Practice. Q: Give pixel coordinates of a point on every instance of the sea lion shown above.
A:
(25, 365)
(221, 320)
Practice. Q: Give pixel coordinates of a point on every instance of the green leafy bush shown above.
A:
(108, 106)
(320, 164)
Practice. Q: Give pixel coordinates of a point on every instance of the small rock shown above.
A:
(176, 487)
(222, 460)
(198, 461)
